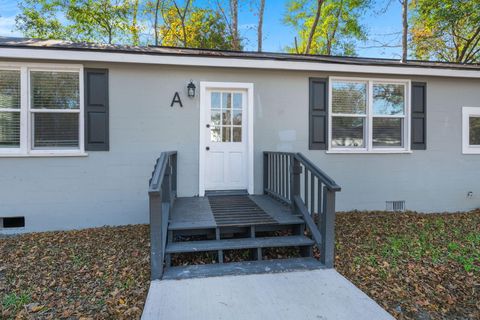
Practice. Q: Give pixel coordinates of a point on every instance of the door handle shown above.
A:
(208, 125)
(207, 148)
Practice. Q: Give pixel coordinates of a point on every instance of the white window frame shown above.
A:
(467, 112)
(26, 126)
(368, 130)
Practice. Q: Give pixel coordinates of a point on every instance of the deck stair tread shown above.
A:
(195, 213)
(238, 211)
(232, 244)
(241, 268)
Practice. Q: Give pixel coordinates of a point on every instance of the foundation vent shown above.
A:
(395, 206)
(12, 222)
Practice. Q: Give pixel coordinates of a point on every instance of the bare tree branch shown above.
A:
(314, 26)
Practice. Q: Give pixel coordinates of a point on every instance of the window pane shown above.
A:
(215, 100)
(237, 134)
(227, 117)
(237, 117)
(237, 101)
(215, 134)
(215, 115)
(9, 129)
(9, 89)
(349, 97)
(474, 131)
(348, 132)
(387, 132)
(55, 90)
(56, 130)
(388, 99)
(226, 135)
(226, 101)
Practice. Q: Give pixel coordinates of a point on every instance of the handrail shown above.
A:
(159, 171)
(295, 180)
(329, 182)
(162, 192)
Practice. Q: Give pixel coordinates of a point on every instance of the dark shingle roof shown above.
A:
(67, 45)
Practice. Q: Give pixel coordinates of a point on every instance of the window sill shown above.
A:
(471, 151)
(369, 152)
(43, 154)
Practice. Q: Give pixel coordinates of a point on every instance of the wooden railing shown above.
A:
(295, 180)
(162, 193)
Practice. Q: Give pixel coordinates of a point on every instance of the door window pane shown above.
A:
(9, 89)
(237, 101)
(474, 134)
(388, 99)
(57, 130)
(215, 100)
(226, 134)
(237, 134)
(226, 100)
(348, 132)
(237, 117)
(9, 129)
(215, 134)
(349, 97)
(55, 90)
(226, 117)
(215, 117)
(387, 132)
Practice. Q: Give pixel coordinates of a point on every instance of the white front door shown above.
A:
(225, 139)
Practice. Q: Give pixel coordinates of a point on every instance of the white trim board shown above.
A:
(468, 112)
(204, 85)
(97, 56)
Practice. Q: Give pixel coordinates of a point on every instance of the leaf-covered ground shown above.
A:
(98, 273)
(416, 266)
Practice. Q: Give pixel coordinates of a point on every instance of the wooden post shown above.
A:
(265, 172)
(295, 172)
(327, 228)
(156, 254)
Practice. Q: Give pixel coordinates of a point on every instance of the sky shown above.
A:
(383, 27)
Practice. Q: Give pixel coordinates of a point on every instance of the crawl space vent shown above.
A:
(395, 206)
(12, 222)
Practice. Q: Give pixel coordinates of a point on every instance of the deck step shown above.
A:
(241, 268)
(232, 244)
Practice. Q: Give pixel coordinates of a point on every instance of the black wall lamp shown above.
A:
(191, 89)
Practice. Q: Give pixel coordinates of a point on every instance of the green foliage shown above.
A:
(202, 28)
(104, 21)
(447, 30)
(15, 301)
(338, 29)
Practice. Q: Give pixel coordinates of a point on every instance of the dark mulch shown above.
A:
(416, 266)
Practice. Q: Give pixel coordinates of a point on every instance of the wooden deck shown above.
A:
(196, 213)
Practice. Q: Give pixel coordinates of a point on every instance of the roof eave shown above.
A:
(79, 55)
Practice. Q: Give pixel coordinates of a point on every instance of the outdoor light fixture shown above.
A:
(191, 89)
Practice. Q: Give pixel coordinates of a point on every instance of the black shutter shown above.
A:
(419, 116)
(318, 120)
(96, 110)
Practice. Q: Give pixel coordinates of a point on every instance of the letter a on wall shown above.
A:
(176, 99)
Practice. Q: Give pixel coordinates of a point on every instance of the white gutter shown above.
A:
(99, 56)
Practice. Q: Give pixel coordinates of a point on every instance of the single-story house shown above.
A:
(82, 125)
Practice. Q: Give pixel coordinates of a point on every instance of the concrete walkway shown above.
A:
(317, 294)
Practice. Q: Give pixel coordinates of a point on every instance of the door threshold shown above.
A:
(214, 193)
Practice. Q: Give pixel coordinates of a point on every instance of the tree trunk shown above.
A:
(135, 37)
(155, 24)
(314, 26)
(234, 17)
(404, 30)
(260, 25)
